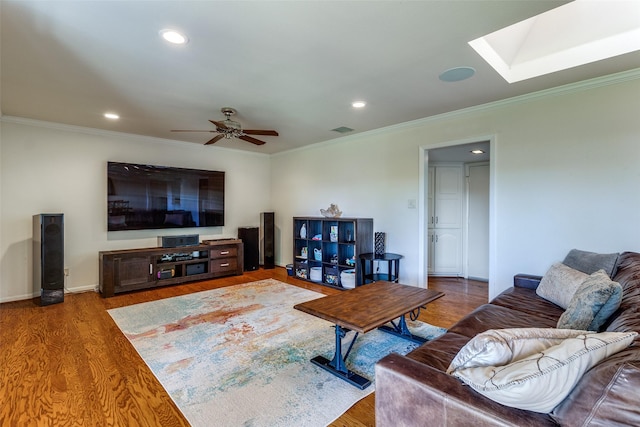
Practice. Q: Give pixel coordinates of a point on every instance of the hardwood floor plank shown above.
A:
(69, 364)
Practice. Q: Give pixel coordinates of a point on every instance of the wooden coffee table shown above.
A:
(363, 309)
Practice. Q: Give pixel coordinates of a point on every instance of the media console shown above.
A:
(132, 269)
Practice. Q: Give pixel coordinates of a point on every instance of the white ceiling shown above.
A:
(292, 66)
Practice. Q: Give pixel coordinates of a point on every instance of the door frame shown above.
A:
(423, 243)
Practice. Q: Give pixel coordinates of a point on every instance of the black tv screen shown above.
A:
(152, 197)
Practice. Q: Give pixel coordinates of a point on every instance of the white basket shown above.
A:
(316, 274)
(348, 279)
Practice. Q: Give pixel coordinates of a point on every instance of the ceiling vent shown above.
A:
(342, 129)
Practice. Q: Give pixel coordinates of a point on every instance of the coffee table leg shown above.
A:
(401, 330)
(337, 365)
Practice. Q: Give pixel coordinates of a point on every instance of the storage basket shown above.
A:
(316, 274)
(348, 279)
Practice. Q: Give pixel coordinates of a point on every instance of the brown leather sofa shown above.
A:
(415, 390)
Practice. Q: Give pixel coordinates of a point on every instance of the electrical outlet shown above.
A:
(411, 203)
(66, 271)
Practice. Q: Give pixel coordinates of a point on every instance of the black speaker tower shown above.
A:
(249, 237)
(267, 239)
(48, 257)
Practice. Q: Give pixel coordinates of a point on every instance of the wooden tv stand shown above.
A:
(133, 269)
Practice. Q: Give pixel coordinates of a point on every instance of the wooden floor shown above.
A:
(69, 365)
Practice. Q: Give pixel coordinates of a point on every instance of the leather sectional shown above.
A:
(415, 390)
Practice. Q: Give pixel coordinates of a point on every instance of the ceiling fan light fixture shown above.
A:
(232, 124)
(228, 129)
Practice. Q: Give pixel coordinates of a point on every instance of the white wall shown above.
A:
(566, 175)
(54, 168)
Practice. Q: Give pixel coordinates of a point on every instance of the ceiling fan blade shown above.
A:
(251, 140)
(260, 132)
(219, 124)
(214, 140)
(191, 130)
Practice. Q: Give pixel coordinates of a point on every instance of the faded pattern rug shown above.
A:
(240, 355)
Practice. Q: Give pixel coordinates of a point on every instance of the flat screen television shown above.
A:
(155, 197)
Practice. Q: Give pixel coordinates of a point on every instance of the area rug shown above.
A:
(239, 356)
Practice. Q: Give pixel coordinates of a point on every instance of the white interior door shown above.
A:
(447, 257)
(478, 220)
(448, 196)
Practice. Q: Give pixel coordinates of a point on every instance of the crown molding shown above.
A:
(570, 88)
(581, 86)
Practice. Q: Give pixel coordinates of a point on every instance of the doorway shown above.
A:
(475, 247)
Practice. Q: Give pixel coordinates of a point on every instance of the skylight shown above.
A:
(574, 34)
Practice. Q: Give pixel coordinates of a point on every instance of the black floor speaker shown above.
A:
(48, 257)
(267, 239)
(249, 237)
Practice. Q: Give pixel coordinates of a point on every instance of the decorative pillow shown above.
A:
(497, 347)
(590, 262)
(560, 283)
(596, 299)
(541, 381)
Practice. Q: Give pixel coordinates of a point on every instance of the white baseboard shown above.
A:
(74, 290)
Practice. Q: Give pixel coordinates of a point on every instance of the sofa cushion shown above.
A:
(590, 262)
(596, 299)
(627, 317)
(491, 316)
(527, 303)
(628, 275)
(607, 395)
(541, 381)
(499, 347)
(410, 393)
(439, 352)
(559, 284)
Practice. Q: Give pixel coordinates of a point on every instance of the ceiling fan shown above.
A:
(231, 129)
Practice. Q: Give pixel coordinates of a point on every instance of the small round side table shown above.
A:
(369, 260)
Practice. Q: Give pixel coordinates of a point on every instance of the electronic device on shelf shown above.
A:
(166, 274)
(178, 241)
(176, 256)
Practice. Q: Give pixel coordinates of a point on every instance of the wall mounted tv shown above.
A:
(153, 197)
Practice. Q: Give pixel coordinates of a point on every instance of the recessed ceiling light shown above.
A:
(112, 116)
(173, 36)
(358, 104)
(477, 152)
(457, 74)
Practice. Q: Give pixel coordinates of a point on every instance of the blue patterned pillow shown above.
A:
(597, 298)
